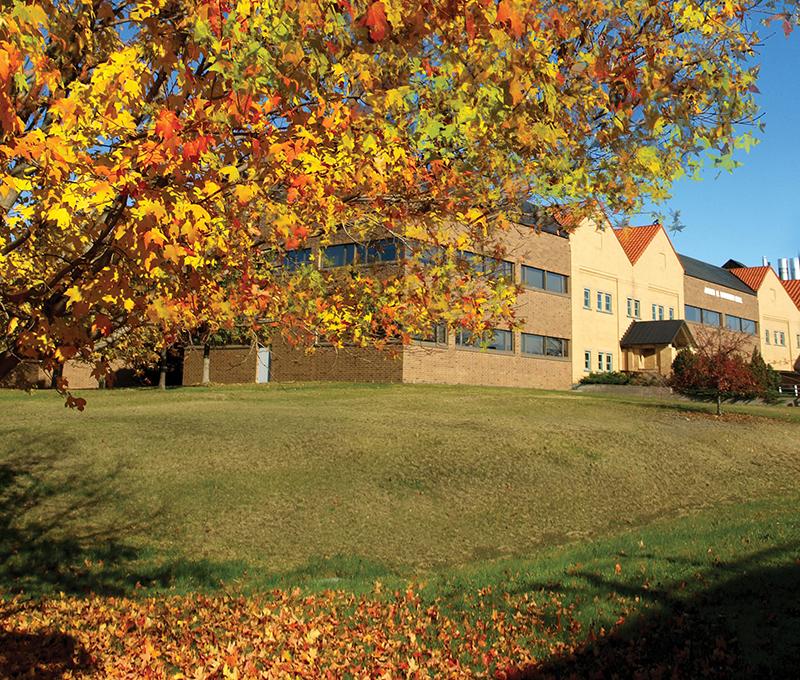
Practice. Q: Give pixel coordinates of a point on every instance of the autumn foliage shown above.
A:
(721, 368)
(159, 158)
(336, 634)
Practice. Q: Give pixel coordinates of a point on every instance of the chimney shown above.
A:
(795, 267)
(783, 268)
(765, 261)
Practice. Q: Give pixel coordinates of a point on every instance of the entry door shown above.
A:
(262, 369)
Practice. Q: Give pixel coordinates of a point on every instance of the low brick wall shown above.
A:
(632, 390)
(229, 365)
(340, 365)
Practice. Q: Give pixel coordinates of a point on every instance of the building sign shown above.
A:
(713, 292)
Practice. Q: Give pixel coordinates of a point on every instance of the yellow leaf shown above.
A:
(230, 173)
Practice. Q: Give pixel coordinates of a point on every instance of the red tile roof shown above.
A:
(793, 288)
(752, 277)
(634, 240)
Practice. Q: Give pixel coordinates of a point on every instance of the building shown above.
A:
(778, 320)
(596, 299)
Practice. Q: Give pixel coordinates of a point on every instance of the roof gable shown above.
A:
(793, 288)
(634, 240)
(752, 277)
(708, 272)
(667, 332)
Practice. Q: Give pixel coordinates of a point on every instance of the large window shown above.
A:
(543, 345)
(491, 266)
(296, 258)
(605, 361)
(658, 312)
(704, 316)
(436, 333)
(533, 277)
(737, 323)
(497, 339)
(634, 308)
(384, 250)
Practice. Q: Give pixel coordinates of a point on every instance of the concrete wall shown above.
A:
(600, 264)
(228, 365)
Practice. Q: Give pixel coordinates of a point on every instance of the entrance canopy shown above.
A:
(657, 333)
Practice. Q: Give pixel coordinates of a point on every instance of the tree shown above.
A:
(717, 369)
(159, 158)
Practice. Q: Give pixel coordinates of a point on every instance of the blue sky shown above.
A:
(755, 210)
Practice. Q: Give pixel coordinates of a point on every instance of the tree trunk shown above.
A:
(57, 373)
(206, 364)
(719, 404)
(162, 374)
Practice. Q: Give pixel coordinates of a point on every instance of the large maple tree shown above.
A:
(158, 158)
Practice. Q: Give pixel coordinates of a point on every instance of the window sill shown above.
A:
(534, 289)
(500, 352)
(545, 357)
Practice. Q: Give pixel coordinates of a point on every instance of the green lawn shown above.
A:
(676, 532)
(317, 482)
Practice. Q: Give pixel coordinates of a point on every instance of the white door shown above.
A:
(262, 368)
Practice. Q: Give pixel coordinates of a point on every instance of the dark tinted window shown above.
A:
(296, 258)
(694, 314)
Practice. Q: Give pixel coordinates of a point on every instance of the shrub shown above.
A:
(609, 378)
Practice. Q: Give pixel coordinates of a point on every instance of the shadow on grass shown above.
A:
(63, 528)
(738, 619)
(45, 656)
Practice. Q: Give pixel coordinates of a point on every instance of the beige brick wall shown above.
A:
(695, 295)
(461, 366)
(228, 365)
(348, 364)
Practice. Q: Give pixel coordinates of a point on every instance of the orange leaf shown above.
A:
(375, 20)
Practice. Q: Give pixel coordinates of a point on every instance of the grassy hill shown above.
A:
(544, 534)
(316, 482)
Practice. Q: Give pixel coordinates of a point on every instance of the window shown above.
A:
(604, 302)
(736, 323)
(658, 312)
(671, 313)
(542, 345)
(605, 361)
(533, 277)
(693, 314)
(587, 359)
(339, 256)
(766, 337)
(780, 338)
(384, 250)
(296, 258)
(654, 314)
(634, 308)
(798, 341)
(587, 298)
(490, 266)
(498, 340)
(437, 333)
(556, 283)
(704, 316)
(637, 309)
